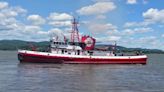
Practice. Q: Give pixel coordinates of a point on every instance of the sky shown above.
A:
(131, 23)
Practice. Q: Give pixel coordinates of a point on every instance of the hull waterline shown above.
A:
(44, 57)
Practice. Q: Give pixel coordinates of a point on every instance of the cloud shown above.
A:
(151, 40)
(131, 1)
(59, 16)
(154, 15)
(97, 28)
(29, 33)
(151, 16)
(137, 24)
(36, 19)
(25, 32)
(18, 9)
(60, 23)
(3, 5)
(31, 29)
(60, 19)
(108, 39)
(101, 0)
(8, 17)
(100, 17)
(12, 26)
(162, 35)
(145, 1)
(60, 33)
(55, 31)
(97, 8)
(114, 38)
(12, 12)
(36, 33)
(136, 31)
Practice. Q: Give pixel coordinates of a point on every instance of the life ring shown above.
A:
(89, 42)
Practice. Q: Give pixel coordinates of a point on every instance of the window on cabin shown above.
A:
(78, 52)
(62, 51)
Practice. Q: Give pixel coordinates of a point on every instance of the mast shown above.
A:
(115, 47)
(75, 31)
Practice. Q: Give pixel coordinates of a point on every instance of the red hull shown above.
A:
(35, 58)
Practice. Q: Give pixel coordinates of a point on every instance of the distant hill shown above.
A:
(42, 46)
(18, 44)
(125, 49)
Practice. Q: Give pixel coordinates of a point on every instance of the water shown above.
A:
(16, 77)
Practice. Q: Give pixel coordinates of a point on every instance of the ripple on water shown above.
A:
(15, 77)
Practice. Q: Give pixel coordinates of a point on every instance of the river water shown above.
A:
(17, 77)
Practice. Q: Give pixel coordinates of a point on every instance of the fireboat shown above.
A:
(80, 50)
